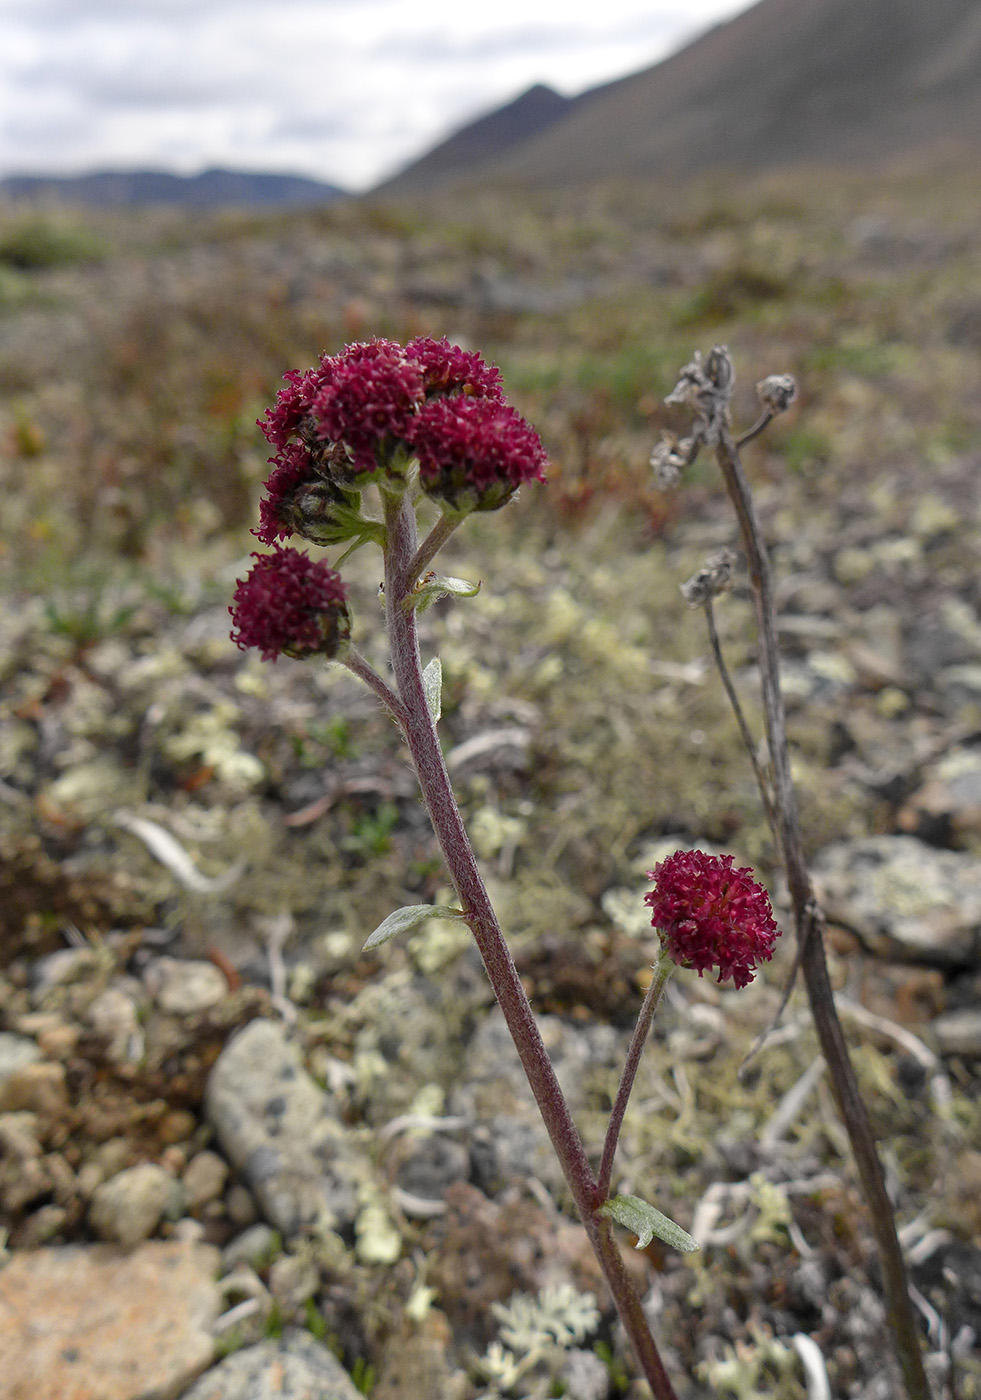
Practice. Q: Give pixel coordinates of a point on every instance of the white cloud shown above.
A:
(342, 89)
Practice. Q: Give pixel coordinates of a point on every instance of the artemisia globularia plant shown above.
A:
(429, 422)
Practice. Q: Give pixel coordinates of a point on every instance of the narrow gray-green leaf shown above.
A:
(645, 1221)
(432, 680)
(407, 918)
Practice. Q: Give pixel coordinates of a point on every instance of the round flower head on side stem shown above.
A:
(711, 917)
(291, 605)
(474, 453)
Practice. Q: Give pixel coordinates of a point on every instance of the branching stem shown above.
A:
(807, 922)
(401, 573)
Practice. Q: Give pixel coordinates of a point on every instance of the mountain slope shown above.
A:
(207, 190)
(483, 141)
(786, 82)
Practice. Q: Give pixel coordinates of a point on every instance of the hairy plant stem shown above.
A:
(420, 732)
(642, 1030)
(808, 928)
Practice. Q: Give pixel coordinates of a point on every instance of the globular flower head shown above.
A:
(368, 401)
(448, 369)
(291, 605)
(710, 916)
(474, 453)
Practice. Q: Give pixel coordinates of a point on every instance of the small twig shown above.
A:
(762, 782)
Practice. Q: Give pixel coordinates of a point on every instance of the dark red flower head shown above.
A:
(447, 369)
(368, 400)
(370, 410)
(292, 605)
(710, 916)
(474, 453)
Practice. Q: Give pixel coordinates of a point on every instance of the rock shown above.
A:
(904, 899)
(37, 1087)
(278, 1129)
(16, 1051)
(426, 1166)
(959, 1032)
(128, 1207)
(23, 1175)
(204, 1179)
(60, 969)
(293, 1367)
(113, 1016)
(585, 1376)
(509, 1139)
(184, 988)
(98, 1324)
(253, 1247)
(293, 1279)
(947, 807)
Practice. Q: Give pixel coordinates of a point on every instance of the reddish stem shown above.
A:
(420, 732)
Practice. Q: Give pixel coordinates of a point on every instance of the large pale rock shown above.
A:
(97, 1323)
(293, 1367)
(279, 1129)
(904, 899)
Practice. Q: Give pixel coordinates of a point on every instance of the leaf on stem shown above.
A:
(406, 919)
(645, 1222)
(432, 680)
(430, 589)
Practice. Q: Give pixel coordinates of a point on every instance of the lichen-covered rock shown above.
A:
(293, 1367)
(280, 1131)
(904, 899)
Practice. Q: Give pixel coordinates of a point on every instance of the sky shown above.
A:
(341, 90)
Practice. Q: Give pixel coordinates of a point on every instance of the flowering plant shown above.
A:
(429, 422)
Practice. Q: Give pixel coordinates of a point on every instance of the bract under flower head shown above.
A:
(303, 498)
(474, 453)
(291, 605)
(710, 916)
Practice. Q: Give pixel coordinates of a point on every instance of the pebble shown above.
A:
(184, 988)
(204, 1179)
(902, 898)
(108, 1325)
(959, 1032)
(37, 1087)
(16, 1051)
(128, 1207)
(278, 1130)
(253, 1247)
(113, 1016)
(292, 1367)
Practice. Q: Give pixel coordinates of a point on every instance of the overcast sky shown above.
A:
(343, 90)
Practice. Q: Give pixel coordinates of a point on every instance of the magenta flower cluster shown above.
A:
(711, 917)
(369, 411)
(291, 604)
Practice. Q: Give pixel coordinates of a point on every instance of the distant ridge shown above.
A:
(483, 140)
(787, 82)
(210, 189)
